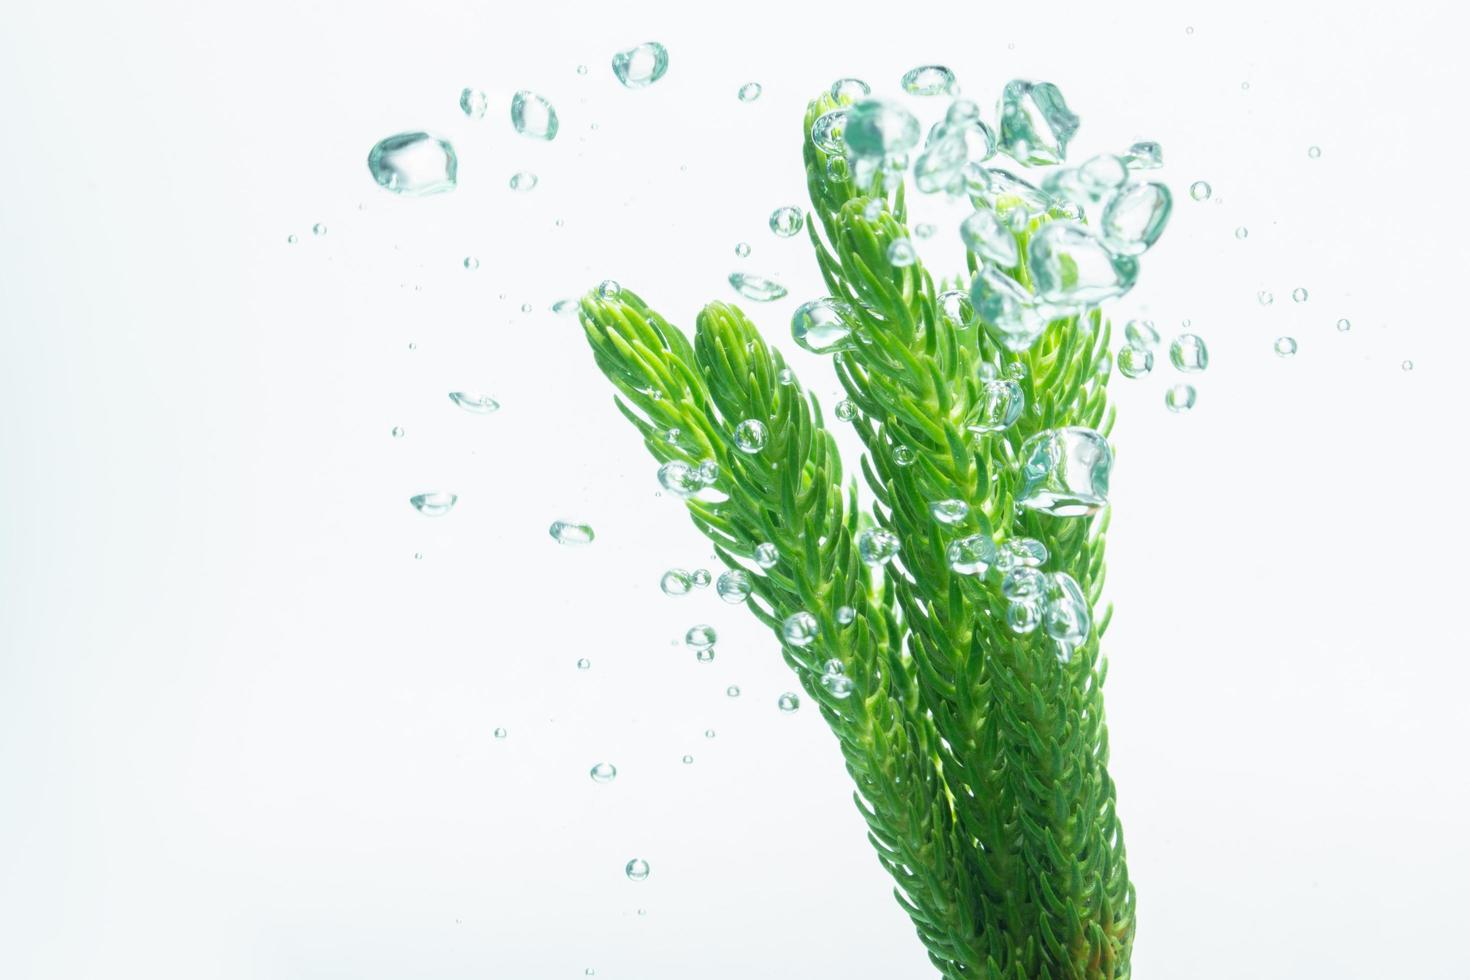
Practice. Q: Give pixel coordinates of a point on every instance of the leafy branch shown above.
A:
(978, 747)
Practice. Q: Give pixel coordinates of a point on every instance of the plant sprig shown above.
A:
(979, 755)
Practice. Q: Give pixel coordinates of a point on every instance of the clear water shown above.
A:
(242, 730)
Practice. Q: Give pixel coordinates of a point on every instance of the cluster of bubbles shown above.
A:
(1187, 352)
(1073, 264)
(417, 163)
(1052, 601)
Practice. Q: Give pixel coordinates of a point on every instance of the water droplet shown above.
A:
(1189, 353)
(709, 472)
(786, 377)
(1000, 404)
(533, 116)
(1135, 217)
(709, 733)
(675, 582)
(750, 91)
(951, 511)
(1242, 232)
(1023, 617)
(733, 586)
(705, 654)
(1407, 366)
(1071, 266)
(688, 760)
(786, 221)
(827, 131)
(523, 182)
(609, 289)
(1141, 333)
(471, 263)
(850, 90)
(318, 229)
(750, 436)
(876, 546)
(1009, 195)
(473, 402)
(680, 479)
(1180, 398)
(971, 555)
(434, 504)
(733, 691)
(1299, 295)
(501, 733)
(1314, 152)
(903, 455)
(879, 129)
(701, 637)
(788, 702)
(1344, 325)
(473, 103)
(413, 346)
(584, 664)
(641, 66)
(985, 235)
(901, 253)
(1021, 553)
(845, 615)
(742, 250)
(1135, 362)
(823, 325)
(800, 628)
(1285, 346)
(1035, 123)
(1200, 190)
(759, 288)
(637, 869)
(701, 578)
(837, 685)
(290, 239)
(1023, 582)
(1065, 471)
(414, 164)
(1144, 155)
(846, 410)
(766, 555)
(397, 432)
(572, 533)
(1067, 615)
(1007, 309)
(604, 772)
(928, 80)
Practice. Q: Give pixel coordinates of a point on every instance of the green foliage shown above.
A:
(979, 757)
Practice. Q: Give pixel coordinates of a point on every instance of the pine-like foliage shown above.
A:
(979, 757)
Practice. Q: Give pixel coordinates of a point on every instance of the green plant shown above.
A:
(979, 753)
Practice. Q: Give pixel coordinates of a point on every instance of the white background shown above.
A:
(243, 733)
